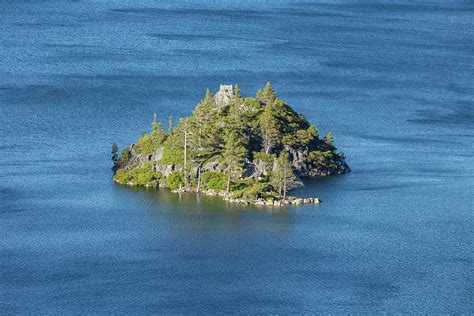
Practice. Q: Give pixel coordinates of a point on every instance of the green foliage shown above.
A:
(147, 176)
(145, 144)
(126, 176)
(170, 124)
(149, 143)
(269, 128)
(302, 137)
(236, 91)
(234, 155)
(139, 175)
(264, 157)
(283, 175)
(171, 156)
(206, 129)
(175, 180)
(260, 96)
(123, 157)
(321, 158)
(269, 94)
(114, 153)
(252, 105)
(158, 134)
(313, 131)
(214, 180)
(251, 190)
(329, 138)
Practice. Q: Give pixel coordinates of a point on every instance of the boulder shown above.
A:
(166, 170)
(159, 154)
(210, 166)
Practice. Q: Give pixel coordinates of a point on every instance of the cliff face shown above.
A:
(257, 146)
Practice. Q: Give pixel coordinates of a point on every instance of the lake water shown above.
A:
(393, 82)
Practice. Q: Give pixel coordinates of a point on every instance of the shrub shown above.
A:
(214, 180)
(175, 180)
(252, 190)
(318, 157)
(145, 144)
(120, 176)
(148, 177)
(170, 157)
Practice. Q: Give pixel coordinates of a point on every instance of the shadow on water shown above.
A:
(165, 200)
(189, 211)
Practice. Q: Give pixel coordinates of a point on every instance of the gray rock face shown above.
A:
(224, 95)
(212, 166)
(159, 154)
(166, 170)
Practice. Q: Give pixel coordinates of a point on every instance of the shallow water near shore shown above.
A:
(393, 82)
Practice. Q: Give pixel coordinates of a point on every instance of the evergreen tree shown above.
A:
(114, 154)
(329, 138)
(269, 94)
(234, 154)
(158, 134)
(206, 127)
(206, 132)
(170, 124)
(237, 91)
(269, 128)
(283, 175)
(123, 157)
(260, 96)
(235, 119)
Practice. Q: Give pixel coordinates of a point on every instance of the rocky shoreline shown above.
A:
(227, 197)
(290, 200)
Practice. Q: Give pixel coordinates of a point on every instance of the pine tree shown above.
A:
(206, 128)
(269, 128)
(235, 118)
(114, 154)
(170, 124)
(283, 175)
(269, 94)
(237, 91)
(234, 154)
(123, 157)
(208, 99)
(260, 96)
(206, 132)
(329, 138)
(158, 134)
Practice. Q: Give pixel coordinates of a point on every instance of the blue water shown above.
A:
(393, 82)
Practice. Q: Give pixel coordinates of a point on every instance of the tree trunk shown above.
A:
(228, 183)
(199, 179)
(267, 146)
(279, 190)
(285, 179)
(185, 159)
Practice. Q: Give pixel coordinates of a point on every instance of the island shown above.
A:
(249, 150)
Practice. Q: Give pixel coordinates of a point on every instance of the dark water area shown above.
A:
(394, 82)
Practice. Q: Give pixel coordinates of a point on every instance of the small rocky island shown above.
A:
(246, 150)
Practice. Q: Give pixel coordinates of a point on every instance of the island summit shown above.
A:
(246, 150)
